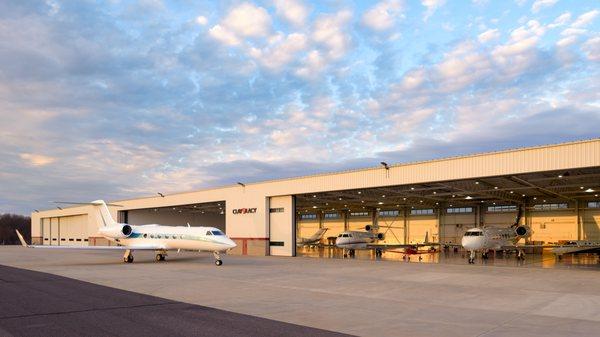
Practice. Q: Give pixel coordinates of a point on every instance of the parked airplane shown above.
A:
(313, 239)
(352, 240)
(576, 247)
(486, 239)
(152, 237)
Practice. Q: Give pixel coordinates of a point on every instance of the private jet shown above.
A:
(154, 237)
(367, 239)
(314, 239)
(487, 239)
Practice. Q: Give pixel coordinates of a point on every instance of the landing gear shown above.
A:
(160, 255)
(378, 252)
(484, 255)
(472, 257)
(520, 255)
(217, 256)
(128, 257)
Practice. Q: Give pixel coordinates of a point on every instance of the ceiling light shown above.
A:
(589, 190)
(383, 196)
(560, 175)
(469, 197)
(314, 206)
(581, 187)
(453, 195)
(412, 188)
(534, 198)
(544, 200)
(420, 200)
(397, 205)
(339, 198)
(477, 183)
(434, 192)
(522, 195)
(362, 201)
(437, 203)
(495, 187)
(511, 192)
(380, 203)
(359, 192)
(403, 198)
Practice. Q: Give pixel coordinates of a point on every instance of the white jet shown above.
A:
(152, 237)
(487, 239)
(352, 240)
(313, 239)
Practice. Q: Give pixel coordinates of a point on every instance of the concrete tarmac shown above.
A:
(359, 297)
(41, 304)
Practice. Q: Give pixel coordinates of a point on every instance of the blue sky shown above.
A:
(120, 99)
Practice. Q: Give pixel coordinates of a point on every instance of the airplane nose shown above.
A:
(230, 244)
(470, 243)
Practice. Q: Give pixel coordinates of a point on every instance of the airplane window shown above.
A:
(152, 236)
(174, 236)
(349, 235)
(145, 235)
(217, 232)
(159, 236)
(208, 233)
(341, 236)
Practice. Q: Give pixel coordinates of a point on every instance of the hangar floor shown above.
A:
(545, 260)
(359, 297)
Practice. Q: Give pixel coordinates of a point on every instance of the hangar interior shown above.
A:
(558, 205)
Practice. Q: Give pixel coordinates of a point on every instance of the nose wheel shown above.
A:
(472, 257)
(218, 260)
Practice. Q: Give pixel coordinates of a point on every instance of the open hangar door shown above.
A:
(555, 204)
(211, 214)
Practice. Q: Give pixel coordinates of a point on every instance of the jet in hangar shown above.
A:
(367, 239)
(485, 240)
(151, 237)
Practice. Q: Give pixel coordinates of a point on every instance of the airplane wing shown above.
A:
(385, 246)
(135, 247)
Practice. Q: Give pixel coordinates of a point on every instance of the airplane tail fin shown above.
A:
(107, 219)
(318, 235)
(23, 243)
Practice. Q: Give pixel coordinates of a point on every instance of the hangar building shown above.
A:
(558, 186)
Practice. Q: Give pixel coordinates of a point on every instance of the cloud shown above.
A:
(36, 159)
(293, 11)
(243, 21)
(201, 20)
(383, 15)
(432, 6)
(585, 19)
(591, 48)
(329, 31)
(540, 4)
(488, 35)
(280, 50)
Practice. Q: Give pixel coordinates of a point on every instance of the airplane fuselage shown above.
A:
(355, 239)
(479, 239)
(171, 237)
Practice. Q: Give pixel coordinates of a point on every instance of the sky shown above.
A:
(121, 99)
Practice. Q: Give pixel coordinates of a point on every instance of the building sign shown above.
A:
(244, 210)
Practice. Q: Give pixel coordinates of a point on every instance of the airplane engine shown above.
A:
(368, 228)
(119, 232)
(380, 236)
(523, 231)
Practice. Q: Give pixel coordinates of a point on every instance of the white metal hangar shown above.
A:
(558, 186)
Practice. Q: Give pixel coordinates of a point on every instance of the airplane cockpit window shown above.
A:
(208, 233)
(349, 235)
(474, 234)
(217, 232)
